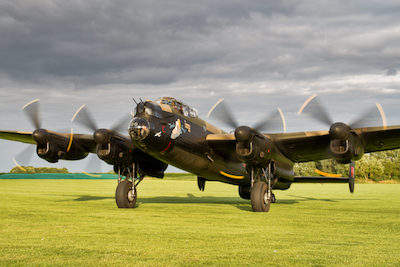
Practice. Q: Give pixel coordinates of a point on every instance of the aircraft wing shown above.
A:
(303, 146)
(223, 144)
(313, 145)
(24, 137)
(84, 141)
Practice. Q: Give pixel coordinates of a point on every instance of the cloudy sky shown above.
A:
(258, 55)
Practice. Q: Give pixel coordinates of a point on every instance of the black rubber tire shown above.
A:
(258, 197)
(244, 191)
(121, 195)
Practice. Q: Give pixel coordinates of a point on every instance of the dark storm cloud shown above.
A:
(160, 42)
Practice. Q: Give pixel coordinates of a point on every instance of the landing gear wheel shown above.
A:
(245, 192)
(125, 195)
(259, 197)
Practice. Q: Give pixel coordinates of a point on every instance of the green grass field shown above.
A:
(76, 222)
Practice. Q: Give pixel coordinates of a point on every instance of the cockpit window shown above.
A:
(179, 106)
(193, 113)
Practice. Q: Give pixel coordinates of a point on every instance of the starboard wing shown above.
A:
(313, 145)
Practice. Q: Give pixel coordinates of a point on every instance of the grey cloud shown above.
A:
(154, 42)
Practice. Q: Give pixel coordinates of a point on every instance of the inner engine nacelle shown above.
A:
(115, 153)
(120, 151)
(345, 145)
(283, 175)
(252, 148)
(145, 164)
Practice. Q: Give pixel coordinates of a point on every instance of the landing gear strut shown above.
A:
(126, 194)
(261, 191)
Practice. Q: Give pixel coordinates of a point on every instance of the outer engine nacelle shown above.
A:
(53, 147)
(252, 147)
(345, 145)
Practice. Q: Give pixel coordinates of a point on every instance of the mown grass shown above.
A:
(76, 222)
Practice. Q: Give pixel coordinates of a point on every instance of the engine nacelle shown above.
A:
(145, 164)
(252, 147)
(345, 145)
(117, 150)
(282, 172)
(53, 147)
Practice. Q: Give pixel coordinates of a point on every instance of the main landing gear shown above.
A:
(261, 190)
(126, 194)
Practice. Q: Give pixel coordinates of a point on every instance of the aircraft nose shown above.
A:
(139, 129)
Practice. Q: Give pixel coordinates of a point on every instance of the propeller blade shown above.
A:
(272, 122)
(32, 111)
(24, 157)
(122, 124)
(371, 117)
(222, 113)
(313, 108)
(93, 165)
(84, 118)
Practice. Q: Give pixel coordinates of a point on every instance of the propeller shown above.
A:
(93, 166)
(39, 135)
(32, 111)
(101, 136)
(250, 150)
(313, 108)
(340, 130)
(221, 112)
(24, 157)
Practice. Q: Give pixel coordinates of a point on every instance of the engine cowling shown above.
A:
(252, 147)
(120, 151)
(53, 147)
(345, 145)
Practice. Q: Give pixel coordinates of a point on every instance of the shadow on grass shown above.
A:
(298, 199)
(237, 202)
(89, 198)
(189, 199)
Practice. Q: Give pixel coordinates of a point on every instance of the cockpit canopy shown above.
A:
(178, 106)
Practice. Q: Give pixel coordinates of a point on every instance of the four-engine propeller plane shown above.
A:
(166, 131)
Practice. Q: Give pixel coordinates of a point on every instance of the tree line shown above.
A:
(31, 170)
(377, 166)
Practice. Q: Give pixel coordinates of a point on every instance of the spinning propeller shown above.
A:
(252, 147)
(39, 135)
(345, 145)
(222, 113)
(340, 130)
(100, 135)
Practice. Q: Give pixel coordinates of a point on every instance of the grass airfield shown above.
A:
(76, 222)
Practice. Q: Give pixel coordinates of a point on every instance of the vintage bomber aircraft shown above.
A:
(166, 131)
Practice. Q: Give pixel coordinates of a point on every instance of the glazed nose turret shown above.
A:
(139, 129)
